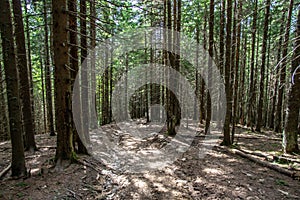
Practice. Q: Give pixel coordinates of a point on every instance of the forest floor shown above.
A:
(221, 174)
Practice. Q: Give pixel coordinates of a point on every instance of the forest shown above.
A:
(141, 99)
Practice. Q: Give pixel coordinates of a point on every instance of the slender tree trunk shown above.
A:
(226, 139)
(262, 69)
(48, 76)
(210, 51)
(242, 82)
(278, 121)
(29, 124)
(252, 85)
(236, 68)
(29, 62)
(93, 113)
(43, 94)
(62, 84)
(291, 130)
(84, 77)
(275, 90)
(202, 88)
(3, 110)
(12, 85)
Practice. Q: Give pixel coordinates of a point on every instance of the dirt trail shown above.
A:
(219, 175)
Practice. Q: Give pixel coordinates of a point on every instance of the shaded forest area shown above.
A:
(62, 57)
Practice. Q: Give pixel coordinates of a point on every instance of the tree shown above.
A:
(12, 83)
(291, 129)
(236, 67)
(227, 71)
(278, 124)
(252, 85)
(262, 69)
(62, 84)
(84, 74)
(210, 51)
(24, 78)
(48, 76)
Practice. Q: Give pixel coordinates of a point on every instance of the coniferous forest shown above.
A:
(162, 99)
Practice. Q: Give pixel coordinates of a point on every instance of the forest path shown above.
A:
(219, 175)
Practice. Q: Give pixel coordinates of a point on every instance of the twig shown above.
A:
(2, 174)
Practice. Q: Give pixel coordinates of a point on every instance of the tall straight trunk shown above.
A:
(29, 124)
(12, 90)
(275, 89)
(226, 129)
(242, 79)
(43, 94)
(62, 84)
(236, 67)
(93, 112)
(84, 74)
(202, 88)
(262, 69)
(222, 34)
(197, 81)
(232, 64)
(29, 61)
(72, 6)
(3, 110)
(291, 129)
(252, 85)
(267, 85)
(48, 76)
(278, 121)
(210, 51)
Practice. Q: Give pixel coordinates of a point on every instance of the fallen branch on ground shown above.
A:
(2, 174)
(281, 170)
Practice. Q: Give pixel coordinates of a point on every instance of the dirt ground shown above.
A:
(219, 175)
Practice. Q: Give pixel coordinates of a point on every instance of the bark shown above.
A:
(236, 69)
(210, 51)
(227, 71)
(262, 69)
(12, 85)
(291, 131)
(62, 84)
(84, 77)
(29, 125)
(93, 113)
(48, 76)
(4, 134)
(222, 34)
(252, 85)
(29, 62)
(278, 121)
(275, 90)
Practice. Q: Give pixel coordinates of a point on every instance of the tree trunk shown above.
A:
(227, 71)
(29, 62)
(291, 131)
(275, 89)
(84, 78)
(252, 85)
(93, 113)
(12, 87)
(262, 69)
(48, 76)
(210, 60)
(4, 134)
(62, 84)
(278, 121)
(236, 69)
(24, 78)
